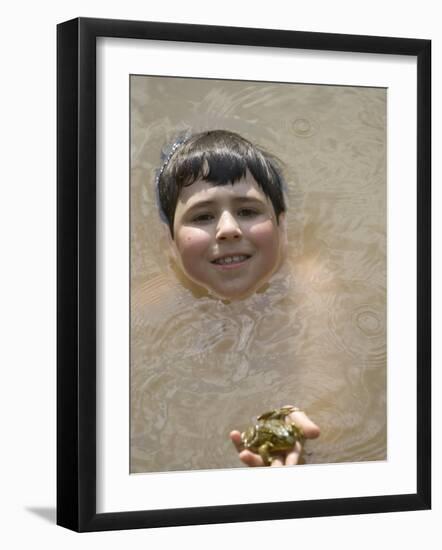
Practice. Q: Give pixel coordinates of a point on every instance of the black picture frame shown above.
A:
(77, 286)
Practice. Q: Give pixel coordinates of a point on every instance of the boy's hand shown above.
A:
(288, 458)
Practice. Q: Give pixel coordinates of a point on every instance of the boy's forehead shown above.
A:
(202, 190)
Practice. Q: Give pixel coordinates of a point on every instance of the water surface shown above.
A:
(316, 336)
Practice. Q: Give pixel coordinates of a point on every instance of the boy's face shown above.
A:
(227, 238)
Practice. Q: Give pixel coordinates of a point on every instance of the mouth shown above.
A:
(232, 260)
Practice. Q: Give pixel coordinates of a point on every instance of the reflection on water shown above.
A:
(316, 337)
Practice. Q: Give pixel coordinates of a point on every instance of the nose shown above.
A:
(228, 227)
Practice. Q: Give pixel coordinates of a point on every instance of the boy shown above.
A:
(223, 201)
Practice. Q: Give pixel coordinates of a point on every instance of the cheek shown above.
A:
(264, 234)
(192, 243)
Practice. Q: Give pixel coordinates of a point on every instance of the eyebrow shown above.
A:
(240, 200)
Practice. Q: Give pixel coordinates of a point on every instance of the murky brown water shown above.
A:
(316, 337)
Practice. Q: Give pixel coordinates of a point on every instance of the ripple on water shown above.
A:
(303, 127)
(373, 116)
(357, 324)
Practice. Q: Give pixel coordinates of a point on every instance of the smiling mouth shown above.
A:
(231, 260)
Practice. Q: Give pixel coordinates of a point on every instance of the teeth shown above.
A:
(230, 259)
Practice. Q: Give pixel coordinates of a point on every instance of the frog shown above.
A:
(272, 434)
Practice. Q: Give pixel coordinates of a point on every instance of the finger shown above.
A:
(294, 455)
(251, 459)
(235, 436)
(309, 428)
(277, 461)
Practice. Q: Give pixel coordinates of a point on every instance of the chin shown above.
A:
(226, 293)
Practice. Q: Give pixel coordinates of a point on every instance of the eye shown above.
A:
(202, 218)
(247, 212)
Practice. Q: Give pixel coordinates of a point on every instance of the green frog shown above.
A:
(272, 434)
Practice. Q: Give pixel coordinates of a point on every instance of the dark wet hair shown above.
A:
(219, 157)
